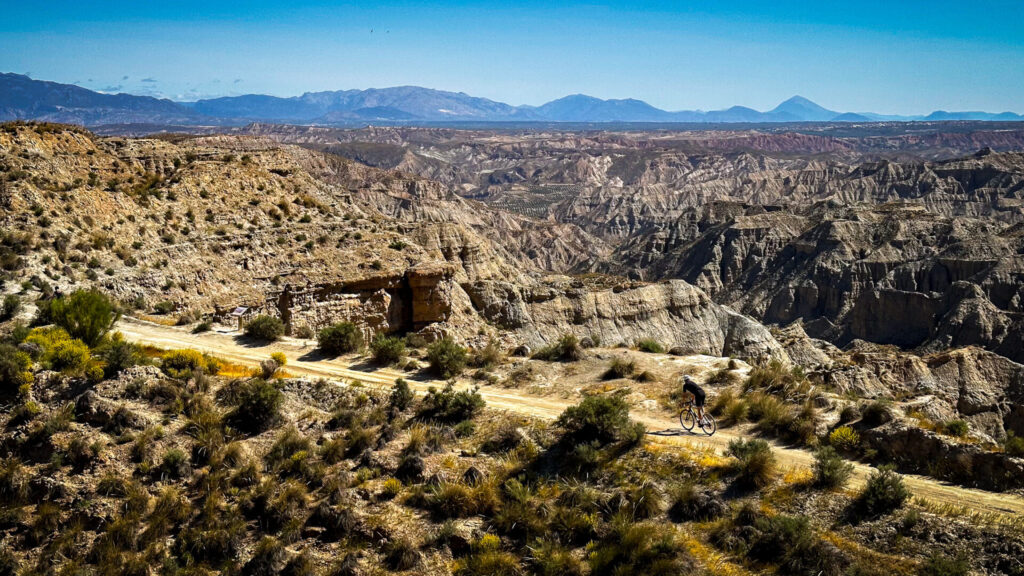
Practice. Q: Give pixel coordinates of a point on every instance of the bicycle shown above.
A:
(688, 419)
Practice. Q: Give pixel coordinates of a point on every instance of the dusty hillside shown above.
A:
(202, 226)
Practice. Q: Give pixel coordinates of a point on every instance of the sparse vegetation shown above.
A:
(604, 418)
(650, 345)
(830, 470)
(387, 350)
(340, 338)
(447, 359)
(449, 405)
(265, 328)
(883, 493)
(567, 349)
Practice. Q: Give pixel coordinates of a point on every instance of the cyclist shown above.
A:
(690, 387)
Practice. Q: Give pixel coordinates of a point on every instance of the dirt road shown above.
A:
(302, 360)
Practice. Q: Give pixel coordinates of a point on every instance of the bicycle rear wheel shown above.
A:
(708, 424)
(687, 419)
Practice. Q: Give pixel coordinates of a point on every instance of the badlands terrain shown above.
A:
(229, 350)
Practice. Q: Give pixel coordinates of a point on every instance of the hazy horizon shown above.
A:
(889, 58)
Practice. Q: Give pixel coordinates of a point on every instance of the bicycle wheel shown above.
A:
(687, 419)
(708, 424)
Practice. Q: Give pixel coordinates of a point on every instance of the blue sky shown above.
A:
(888, 57)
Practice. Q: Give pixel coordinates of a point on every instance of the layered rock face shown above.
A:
(892, 274)
(675, 313)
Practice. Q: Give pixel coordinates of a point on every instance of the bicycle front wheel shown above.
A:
(708, 424)
(687, 419)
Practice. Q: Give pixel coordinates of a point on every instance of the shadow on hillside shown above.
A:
(250, 342)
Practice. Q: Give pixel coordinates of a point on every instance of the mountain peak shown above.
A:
(805, 110)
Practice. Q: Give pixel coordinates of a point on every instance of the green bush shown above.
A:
(447, 359)
(958, 428)
(883, 493)
(401, 395)
(567, 349)
(340, 338)
(10, 307)
(387, 350)
(830, 470)
(942, 565)
(620, 368)
(450, 406)
(639, 548)
(14, 370)
(259, 405)
(604, 418)
(650, 345)
(86, 315)
(1014, 445)
(755, 462)
(118, 354)
(265, 328)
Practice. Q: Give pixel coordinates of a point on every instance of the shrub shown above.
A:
(265, 328)
(391, 488)
(764, 407)
(830, 470)
(340, 338)
(10, 307)
(488, 558)
(551, 559)
(401, 554)
(639, 548)
(883, 493)
(755, 462)
(489, 356)
(958, 428)
(844, 439)
(604, 418)
(182, 363)
(451, 500)
(447, 359)
(876, 413)
(650, 345)
(118, 354)
(620, 368)
(567, 349)
(259, 405)
(401, 395)
(86, 315)
(174, 464)
(1014, 445)
(204, 326)
(60, 351)
(690, 503)
(387, 350)
(942, 565)
(450, 406)
(14, 370)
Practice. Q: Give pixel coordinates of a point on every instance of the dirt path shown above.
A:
(302, 360)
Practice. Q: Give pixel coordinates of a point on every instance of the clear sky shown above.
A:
(881, 56)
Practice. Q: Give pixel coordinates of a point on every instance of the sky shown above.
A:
(893, 57)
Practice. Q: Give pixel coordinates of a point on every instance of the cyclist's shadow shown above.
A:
(672, 432)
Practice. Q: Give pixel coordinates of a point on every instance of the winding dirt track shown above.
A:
(302, 360)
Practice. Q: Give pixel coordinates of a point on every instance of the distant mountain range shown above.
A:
(23, 98)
